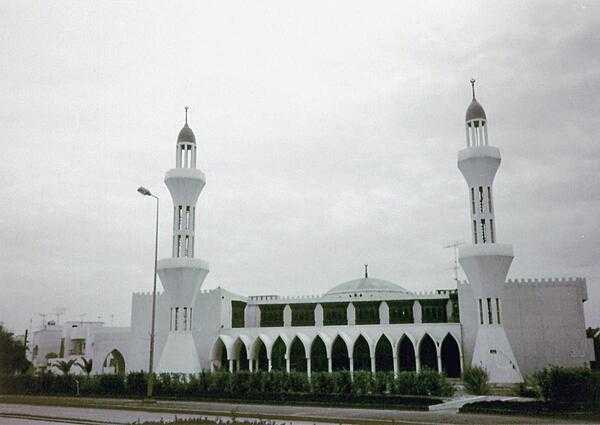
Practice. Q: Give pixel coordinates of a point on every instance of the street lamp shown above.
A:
(146, 192)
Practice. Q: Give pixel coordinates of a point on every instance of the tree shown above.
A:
(12, 354)
(65, 366)
(86, 366)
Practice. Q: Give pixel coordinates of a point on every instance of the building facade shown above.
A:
(510, 327)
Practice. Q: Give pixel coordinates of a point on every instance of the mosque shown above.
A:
(510, 327)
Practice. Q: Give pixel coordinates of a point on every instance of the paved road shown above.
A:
(296, 415)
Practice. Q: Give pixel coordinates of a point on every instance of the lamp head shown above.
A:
(144, 191)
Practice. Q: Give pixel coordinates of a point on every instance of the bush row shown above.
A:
(574, 384)
(239, 385)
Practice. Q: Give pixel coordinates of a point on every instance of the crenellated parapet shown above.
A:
(541, 283)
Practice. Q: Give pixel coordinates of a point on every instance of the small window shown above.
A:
(483, 235)
(176, 317)
(481, 199)
(492, 231)
(475, 231)
(473, 200)
(489, 193)
(489, 306)
(480, 311)
(498, 310)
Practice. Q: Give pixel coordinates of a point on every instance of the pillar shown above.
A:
(417, 362)
(439, 360)
(287, 364)
(231, 365)
(270, 364)
(308, 367)
(396, 366)
(372, 364)
(351, 360)
(330, 365)
(251, 365)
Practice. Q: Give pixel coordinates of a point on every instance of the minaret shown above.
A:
(485, 262)
(182, 274)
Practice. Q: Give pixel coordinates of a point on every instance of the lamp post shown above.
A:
(150, 388)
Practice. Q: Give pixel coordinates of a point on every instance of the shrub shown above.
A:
(383, 382)
(113, 385)
(363, 383)
(574, 384)
(136, 384)
(476, 380)
(298, 382)
(343, 382)
(323, 383)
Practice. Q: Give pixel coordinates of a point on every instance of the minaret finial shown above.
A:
(366, 271)
(186, 111)
(473, 87)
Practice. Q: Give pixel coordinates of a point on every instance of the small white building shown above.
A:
(510, 327)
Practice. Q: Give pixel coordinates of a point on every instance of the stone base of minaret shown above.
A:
(182, 278)
(486, 267)
(493, 353)
(179, 355)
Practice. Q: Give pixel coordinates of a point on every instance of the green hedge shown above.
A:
(574, 384)
(259, 385)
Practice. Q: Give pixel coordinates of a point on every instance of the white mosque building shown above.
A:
(510, 327)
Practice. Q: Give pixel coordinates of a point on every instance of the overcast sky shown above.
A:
(328, 132)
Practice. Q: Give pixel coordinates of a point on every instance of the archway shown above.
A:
(261, 358)
(297, 356)
(278, 355)
(242, 362)
(406, 355)
(361, 354)
(219, 359)
(114, 363)
(318, 356)
(427, 353)
(384, 355)
(450, 357)
(339, 355)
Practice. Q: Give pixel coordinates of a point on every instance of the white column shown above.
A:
(194, 156)
(372, 364)
(351, 360)
(417, 362)
(251, 365)
(287, 364)
(231, 365)
(329, 365)
(308, 367)
(270, 364)
(485, 134)
(395, 366)
(439, 360)
(467, 132)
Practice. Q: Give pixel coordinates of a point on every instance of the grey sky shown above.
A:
(328, 132)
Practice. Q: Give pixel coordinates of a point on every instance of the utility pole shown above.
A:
(455, 244)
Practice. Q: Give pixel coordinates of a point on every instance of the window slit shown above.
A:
(176, 317)
(498, 310)
(489, 194)
(480, 198)
(492, 231)
(480, 311)
(475, 230)
(489, 306)
(473, 200)
(483, 236)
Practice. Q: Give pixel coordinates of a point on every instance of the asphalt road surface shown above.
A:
(23, 414)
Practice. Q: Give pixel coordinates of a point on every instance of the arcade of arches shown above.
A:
(299, 356)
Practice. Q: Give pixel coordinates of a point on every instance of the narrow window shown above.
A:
(480, 311)
(184, 318)
(179, 245)
(187, 245)
(489, 190)
(489, 306)
(483, 236)
(480, 198)
(190, 318)
(475, 231)
(176, 317)
(171, 319)
(179, 217)
(473, 200)
(498, 310)
(187, 218)
(492, 231)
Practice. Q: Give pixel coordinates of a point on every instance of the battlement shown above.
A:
(547, 281)
(147, 294)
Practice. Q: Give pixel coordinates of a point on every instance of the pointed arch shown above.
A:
(384, 355)
(450, 353)
(114, 363)
(240, 354)
(361, 354)
(406, 354)
(278, 355)
(427, 353)
(219, 357)
(318, 355)
(259, 355)
(297, 355)
(339, 354)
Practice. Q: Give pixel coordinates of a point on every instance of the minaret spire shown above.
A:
(473, 87)
(187, 107)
